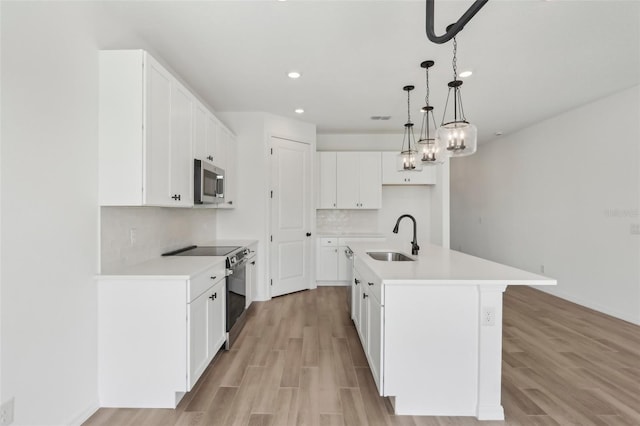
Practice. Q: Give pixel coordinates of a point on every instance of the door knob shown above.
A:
(308, 234)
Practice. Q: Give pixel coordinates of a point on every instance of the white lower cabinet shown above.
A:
(156, 335)
(206, 319)
(252, 273)
(331, 261)
(368, 317)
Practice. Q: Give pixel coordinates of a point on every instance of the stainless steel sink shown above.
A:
(389, 256)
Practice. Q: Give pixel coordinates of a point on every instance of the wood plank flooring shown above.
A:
(299, 361)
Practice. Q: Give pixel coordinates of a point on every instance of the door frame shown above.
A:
(311, 210)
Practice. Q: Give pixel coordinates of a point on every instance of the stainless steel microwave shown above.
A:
(208, 184)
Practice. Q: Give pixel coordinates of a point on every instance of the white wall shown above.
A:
(157, 230)
(250, 219)
(564, 193)
(49, 208)
(428, 204)
(49, 213)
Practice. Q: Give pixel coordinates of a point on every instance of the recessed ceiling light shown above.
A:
(499, 133)
(465, 74)
(294, 74)
(299, 111)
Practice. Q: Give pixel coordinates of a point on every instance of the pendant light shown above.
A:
(460, 138)
(432, 150)
(408, 158)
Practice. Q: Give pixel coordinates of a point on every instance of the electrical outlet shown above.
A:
(634, 229)
(489, 316)
(133, 236)
(6, 413)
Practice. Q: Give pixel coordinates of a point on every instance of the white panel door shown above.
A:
(198, 338)
(326, 180)
(216, 317)
(181, 141)
(370, 178)
(348, 189)
(290, 216)
(200, 132)
(157, 134)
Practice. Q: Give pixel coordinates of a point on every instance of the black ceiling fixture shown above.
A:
(453, 29)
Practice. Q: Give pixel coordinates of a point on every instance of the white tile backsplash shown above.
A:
(396, 200)
(157, 230)
(357, 221)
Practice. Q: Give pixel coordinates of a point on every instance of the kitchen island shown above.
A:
(431, 328)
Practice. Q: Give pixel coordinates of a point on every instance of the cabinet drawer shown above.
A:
(328, 242)
(199, 283)
(371, 284)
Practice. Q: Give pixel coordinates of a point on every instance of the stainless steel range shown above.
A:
(236, 282)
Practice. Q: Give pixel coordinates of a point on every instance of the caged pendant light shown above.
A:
(460, 138)
(408, 158)
(432, 150)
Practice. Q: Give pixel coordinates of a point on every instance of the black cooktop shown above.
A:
(203, 251)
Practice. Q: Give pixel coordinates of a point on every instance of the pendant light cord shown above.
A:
(408, 107)
(455, 59)
(426, 100)
(455, 77)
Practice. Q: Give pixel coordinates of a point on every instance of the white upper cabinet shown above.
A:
(326, 167)
(145, 133)
(392, 176)
(359, 180)
(181, 156)
(227, 151)
(205, 134)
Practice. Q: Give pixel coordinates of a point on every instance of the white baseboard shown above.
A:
(84, 415)
(332, 283)
(591, 305)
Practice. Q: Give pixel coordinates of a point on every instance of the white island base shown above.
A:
(439, 359)
(431, 328)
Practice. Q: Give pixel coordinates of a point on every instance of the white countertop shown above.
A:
(344, 234)
(435, 265)
(167, 267)
(241, 243)
(175, 267)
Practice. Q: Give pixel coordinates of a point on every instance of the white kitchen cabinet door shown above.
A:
(201, 150)
(375, 313)
(212, 150)
(348, 180)
(327, 174)
(227, 150)
(145, 133)
(359, 183)
(356, 297)
(370, 178)
(198, 337)
(157, 183)
(327, 265)
(392, 176)
(252, 275)
(216, 318)
(364, 317)
(180, 160)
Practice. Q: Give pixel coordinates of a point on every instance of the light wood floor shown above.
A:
(299, 362)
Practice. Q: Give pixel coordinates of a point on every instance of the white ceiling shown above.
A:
(531, 59)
